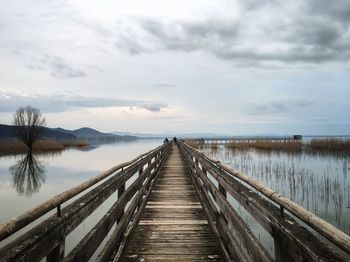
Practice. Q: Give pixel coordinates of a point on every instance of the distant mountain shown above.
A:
(139, 135)
(89, 133)
(8, 132)
(170, 135)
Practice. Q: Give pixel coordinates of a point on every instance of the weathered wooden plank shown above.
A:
(173, 257)
(173, 222)
(142, 203)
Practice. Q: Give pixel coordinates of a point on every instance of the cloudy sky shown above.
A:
(235, 67)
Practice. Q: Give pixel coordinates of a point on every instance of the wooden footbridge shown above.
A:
(172, 204)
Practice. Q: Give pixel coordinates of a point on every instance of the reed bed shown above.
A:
(14, 147)
(290, 145)
(192, 143)
(329, 144)
(75, 143)
(18, 147)
(214, 146)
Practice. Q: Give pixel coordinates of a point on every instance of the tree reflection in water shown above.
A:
(28, 174)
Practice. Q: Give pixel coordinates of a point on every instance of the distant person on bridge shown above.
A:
(175, 140)
(166, 140)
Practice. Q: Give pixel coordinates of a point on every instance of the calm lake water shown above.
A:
(320, 182)
(57, 172)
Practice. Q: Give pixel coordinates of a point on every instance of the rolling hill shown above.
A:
(90, 133)
(8, 132)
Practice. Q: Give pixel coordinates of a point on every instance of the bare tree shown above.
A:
(29, 125)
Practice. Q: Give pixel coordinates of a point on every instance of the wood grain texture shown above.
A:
(173, 225)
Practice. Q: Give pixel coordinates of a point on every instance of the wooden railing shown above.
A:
(283, 219)
(47, 239)
(253, 139)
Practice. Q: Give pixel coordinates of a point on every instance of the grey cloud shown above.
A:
(304, 39)
(338, 10)
(320, 38)
(9, 102)
(153, 107)
(276, 107)
(130, 43)
(191, 36)
(176, 35)
(306, 54)
(256, 4)
(95, 27)
(58, 67)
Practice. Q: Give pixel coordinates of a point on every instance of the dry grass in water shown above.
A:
(77, 143)
(330, 144)
(17, 147)
(192, 143)
(214, 146)
(44, 145)
(289, 145)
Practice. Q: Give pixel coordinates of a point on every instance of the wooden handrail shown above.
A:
(26, 218)
(47, 239)
(335, 235)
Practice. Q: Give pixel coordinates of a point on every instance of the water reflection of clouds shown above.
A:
(28, 174)
(318, 181)
(102, 157)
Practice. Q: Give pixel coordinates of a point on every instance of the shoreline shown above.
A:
(15, 147)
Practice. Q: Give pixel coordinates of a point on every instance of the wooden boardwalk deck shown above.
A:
(173, 226)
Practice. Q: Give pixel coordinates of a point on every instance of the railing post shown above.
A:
(150, 162)
(204, 173)
(57, 254)
(121, 190)
(196, 162)
(285, 250)
(224, 193)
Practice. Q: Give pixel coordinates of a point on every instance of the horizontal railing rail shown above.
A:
(292, 241)
(47, 239)
(226, 140)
